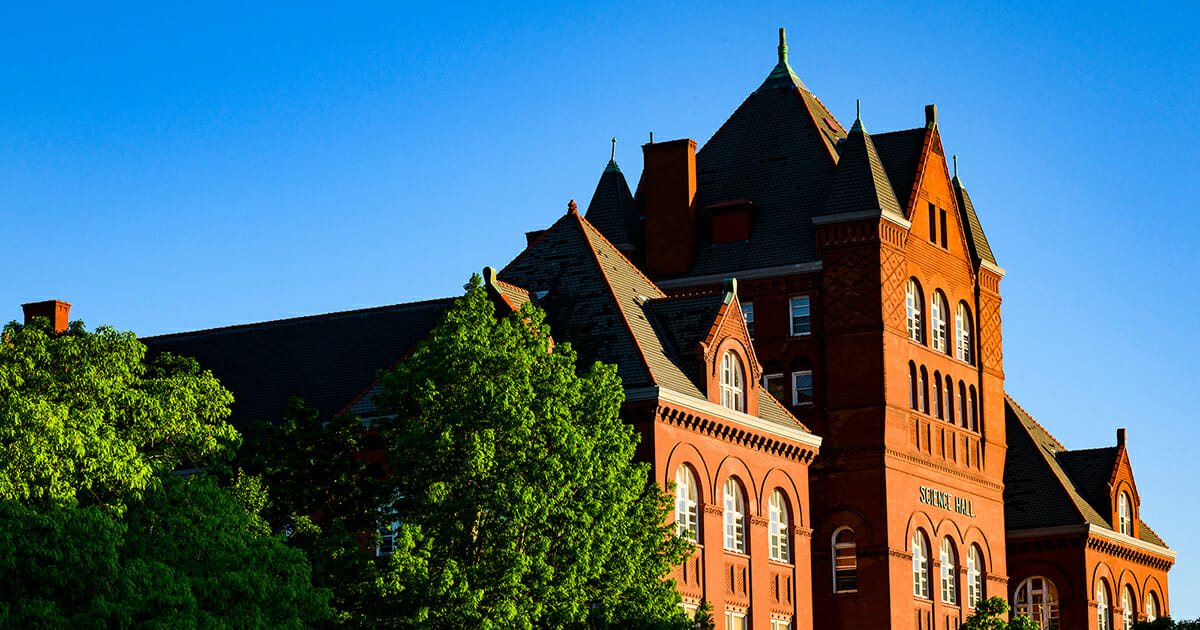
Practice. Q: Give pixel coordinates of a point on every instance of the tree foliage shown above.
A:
(100, 531)
(989, 615)
(1166, 623)
(514, 482)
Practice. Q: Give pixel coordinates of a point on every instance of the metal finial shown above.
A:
(782, 47)
(614, 153)
(857, 109)
(956, 167)
(651, 137)
(572, 208)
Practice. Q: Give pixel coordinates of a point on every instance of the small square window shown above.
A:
(802, 388)
(735, 621)
(748, 315)
(801, 315)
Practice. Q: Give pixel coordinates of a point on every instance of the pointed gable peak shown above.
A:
(782, 75)
(860, 183)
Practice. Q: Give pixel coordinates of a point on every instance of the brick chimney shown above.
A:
(54, 310)
(668, 190)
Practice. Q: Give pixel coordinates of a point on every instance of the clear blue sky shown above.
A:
(172, 169)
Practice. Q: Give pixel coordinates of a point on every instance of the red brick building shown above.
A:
(807, 323)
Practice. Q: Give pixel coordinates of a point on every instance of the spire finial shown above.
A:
(572, 208)
(782, 47)
(614, 152)
(956, 167)
(857, 109)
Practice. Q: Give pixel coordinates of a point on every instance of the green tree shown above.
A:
(1166, 623)
(516, 487)
(100, 531)
(989, 615)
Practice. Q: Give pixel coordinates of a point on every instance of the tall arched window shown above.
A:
(974, 576)
(686, 516)
(971, 411)
(735, 516)
(920, 556)
(777, 528)
(962, 405)
(962, 336)
(845, 561)
(1038, 598)
(1152, 610)
(950, 399)
(1128, 608)
(937, 395)
(937, 321)
(1125, 514)
(1103, 606)
(949, 572)
(913, 401)
(923, 390)
(733, 384)
(912, 305)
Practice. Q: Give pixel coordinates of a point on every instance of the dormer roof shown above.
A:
(613, 211)
(860, 183)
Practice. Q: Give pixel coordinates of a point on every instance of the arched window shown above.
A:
(937, 322)
(686, 516)
(1128, 609)
(949, 572)
(920, 557)
(974, 576)
(962, 405)
(1103, 606)
(971, 411)
(913, 400)
(923, 390)
(912, 304)
(733, 385)
(962, 328)
(950, 399)
(1038, 598)
(1125, 514)
(937, 395)
(735, 516)
(845, 561)
(777, 528)
(1152, 610)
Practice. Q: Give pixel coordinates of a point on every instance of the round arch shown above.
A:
(779, 478)
(733, 466)
(686, 453)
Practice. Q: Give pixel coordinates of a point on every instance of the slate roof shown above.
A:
(613, 211)
(900, 152)
(976, 239)
(326, 359)
(1046, 485)
(600, 303)
(859, 180)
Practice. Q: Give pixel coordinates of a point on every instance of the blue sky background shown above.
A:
(170, 169)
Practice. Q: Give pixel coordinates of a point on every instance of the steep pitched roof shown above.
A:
(324, 359)
(976, 239)
(900, 152)
(860, 183)
(1047, 485)
(613, 211)
(777, 150)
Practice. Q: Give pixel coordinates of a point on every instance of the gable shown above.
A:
(942, 228)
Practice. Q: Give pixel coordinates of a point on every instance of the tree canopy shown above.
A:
(92, 519)
(518, 501)
(989, 615)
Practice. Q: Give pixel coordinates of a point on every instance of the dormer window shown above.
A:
(733, 382)
(1124, 514)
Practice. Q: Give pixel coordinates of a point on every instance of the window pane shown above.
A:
(802, 388)
(801, 317)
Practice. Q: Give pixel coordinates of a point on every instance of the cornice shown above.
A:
(1106, 541)
(697, 406)
(999, 487)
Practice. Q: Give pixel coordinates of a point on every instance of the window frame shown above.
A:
(805, 319)
(732, 382)
(767, 378)
(914, 303)
(1125, 513)
(1103, 606)
(1128, 608)
(733, 516)
(732, 616)
(948, 560)
(920, 565)
(778, 524)
(387, 541)
(937, 322)
(687, 512)
(975, 583)
(964, 334)
(1048, 606)
(796, 402)
(838, 552)
(748, 317)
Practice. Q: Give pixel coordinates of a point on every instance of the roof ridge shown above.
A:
(529, 246)
(1010, 399)
(288, 320)
(637, 343)
(918, 176)
(894, 132)
(1147, 526)
(588, 224)
(1085, 450)
(690, 294)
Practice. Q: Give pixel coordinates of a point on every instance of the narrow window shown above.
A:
(962, 405)
(1125, 514)
(912, 304)
(913, 401)
(971, 411)
(748, 315)
(1037, 597)
(1103, 606)
(774, 385)
(1128, 610)
(735, 524)
(932, 223)
(920, 559)
(387, 540)
(732, 383)
(923, 390)
(962, 327)
(974, 576)
(1152, 606)
(686, 516)
(777, 528)
(949, 572)
(937, 395)
(801, 315)
(802, 388)
(845, 561)
(949, 399)
(937, 321)
(942, 214)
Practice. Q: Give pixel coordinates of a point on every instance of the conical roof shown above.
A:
(860, 183)
(613, 210)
